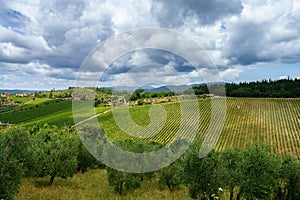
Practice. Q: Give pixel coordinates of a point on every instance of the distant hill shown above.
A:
(149, 88)
(176, 88)
(18, 91)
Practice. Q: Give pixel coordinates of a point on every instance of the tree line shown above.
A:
(250, 173)
(285, 88)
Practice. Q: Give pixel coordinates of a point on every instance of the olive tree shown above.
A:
(259, 173)
(200, 175)
(13, 154)
(288, 187)
(229, 169)
(54, 153)
(171, 176)
(124, 182)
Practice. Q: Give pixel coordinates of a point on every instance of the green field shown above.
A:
(62, 118)
(20, 99)
(42, 111)
(272, 121)
(37, 101)
(89, 186)
(34, 112)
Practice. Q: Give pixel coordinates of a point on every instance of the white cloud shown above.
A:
(52, 38)
(282, 77)
(231, 74)
(139, 58)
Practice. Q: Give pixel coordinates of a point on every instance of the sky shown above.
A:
(43, 44)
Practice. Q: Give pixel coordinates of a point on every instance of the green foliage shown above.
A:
(170, 176)
(197, 90)
(13, 154)
(35, 103)
(229, 169)
(260, 173)
(280, 88)
(54, 153)
(140, 102)
(85, 159)
(200, 175)
(61, 119)
(288, 187)
(94, 139)
(136, 94)
(20, 99)
(254, 171)
(104, 90)
(123, 182)
(157, 94)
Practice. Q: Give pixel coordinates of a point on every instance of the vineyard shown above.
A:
(34, 112)
(248, 120)
(272, 121)
(52, 112)
(61, 118)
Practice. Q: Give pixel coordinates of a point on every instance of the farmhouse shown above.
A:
(5, 94)
(119, 100)
(21, 95)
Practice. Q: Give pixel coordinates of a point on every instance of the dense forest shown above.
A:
(281, 88)
(285, 88)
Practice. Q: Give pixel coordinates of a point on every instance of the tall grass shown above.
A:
(89, 186)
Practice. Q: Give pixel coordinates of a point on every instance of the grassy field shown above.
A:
(45, 110)
(89, 186)
(37, 101)
(62, 118)
(20, 99)
(35, 112)
(272, 121)
(27, 103)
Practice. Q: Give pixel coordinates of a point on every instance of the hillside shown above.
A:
(248, 120)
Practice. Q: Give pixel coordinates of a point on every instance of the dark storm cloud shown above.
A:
(173, 13)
